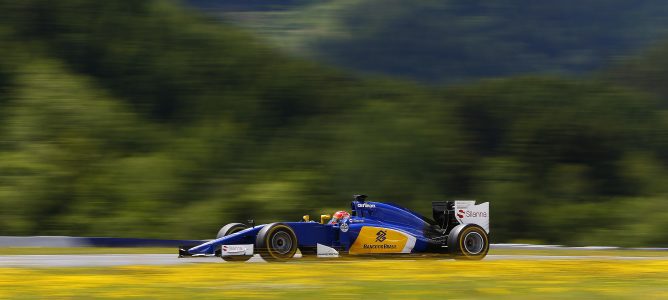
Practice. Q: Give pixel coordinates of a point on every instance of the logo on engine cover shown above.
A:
(373, 239)
(381, 236)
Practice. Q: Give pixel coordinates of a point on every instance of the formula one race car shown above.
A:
(458, 228)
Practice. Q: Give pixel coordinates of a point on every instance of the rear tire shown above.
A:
(227, 230)
(276, 242)
(468, 242)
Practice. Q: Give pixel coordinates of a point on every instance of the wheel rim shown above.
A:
(474, 243)
(281, 242)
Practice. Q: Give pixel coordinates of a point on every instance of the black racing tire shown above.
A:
(230, 229)
(468, 242)
(276, 242)
(227, 230)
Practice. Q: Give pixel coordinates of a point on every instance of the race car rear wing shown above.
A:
(449, 214)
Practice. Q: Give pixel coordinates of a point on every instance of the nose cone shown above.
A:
(206, 248)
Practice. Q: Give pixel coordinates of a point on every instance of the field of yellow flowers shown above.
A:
(343, 279)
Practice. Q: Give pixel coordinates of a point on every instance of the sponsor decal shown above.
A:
(236, 250)
(381, 236)
(381, 246)
(344, 227)
(382, 240)
(366, 205)
(476, 214)
(468, 212)
(324, 251)
(233, 248)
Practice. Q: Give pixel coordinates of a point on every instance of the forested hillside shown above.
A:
(452, 41)
(249, 5)
(146, 119)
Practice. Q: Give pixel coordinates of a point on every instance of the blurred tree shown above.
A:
(140, 118)
(454, 41)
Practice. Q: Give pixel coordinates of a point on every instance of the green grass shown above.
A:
(349, 279)
(377, 278)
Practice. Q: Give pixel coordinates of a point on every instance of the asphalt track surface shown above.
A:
(110, 260)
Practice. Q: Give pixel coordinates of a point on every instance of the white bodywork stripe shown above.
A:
(410, 243)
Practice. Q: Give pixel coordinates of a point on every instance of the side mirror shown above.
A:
(324, 219)
(306, 218)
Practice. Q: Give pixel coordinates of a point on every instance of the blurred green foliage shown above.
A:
(141, 118)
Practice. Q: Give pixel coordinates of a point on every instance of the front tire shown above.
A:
(468, 242)
(230, 229)
(227, 230)
(276, 242)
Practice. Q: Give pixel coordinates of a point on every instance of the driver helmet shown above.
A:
(339, 215)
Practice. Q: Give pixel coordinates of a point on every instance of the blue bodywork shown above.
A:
(364, 213)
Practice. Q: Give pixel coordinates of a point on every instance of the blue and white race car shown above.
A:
(458, 228)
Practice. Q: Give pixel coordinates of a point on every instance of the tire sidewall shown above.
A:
(263, 242)
(456, 242)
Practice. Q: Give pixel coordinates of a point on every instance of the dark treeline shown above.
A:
(142, 118)
(454, 41)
